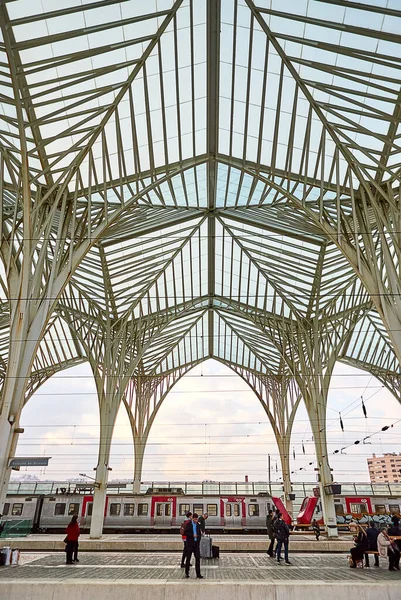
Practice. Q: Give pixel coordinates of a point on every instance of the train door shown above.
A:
(87, 508)
(163, 513)
(233, 514)
(163, 510)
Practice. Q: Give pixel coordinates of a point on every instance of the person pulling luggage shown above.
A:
(193, 537)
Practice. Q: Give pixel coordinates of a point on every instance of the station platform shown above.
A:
(300, 542)
(158, 576)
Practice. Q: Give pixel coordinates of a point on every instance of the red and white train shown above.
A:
(163, 510)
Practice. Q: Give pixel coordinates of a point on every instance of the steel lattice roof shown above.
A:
(195, 164)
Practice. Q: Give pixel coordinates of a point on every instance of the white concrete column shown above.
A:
(325, 477)
(99, 501)
(283, 448)
(139, 449)
(6, 439)
(108, 415)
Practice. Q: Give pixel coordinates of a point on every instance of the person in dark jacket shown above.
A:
(193, 537)
(316, 529)
(184, 539)
(361, 545)
(202, 522)
(394, 551)
(72, 536)
(282, 533)
(371, 533)
(270, 532)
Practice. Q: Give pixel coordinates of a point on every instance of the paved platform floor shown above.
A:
(139, 542)
(230, 567)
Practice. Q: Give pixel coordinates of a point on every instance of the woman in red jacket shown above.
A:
(73, 533)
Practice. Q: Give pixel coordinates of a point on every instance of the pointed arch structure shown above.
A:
(183, 180)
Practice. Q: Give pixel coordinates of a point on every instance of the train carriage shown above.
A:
(164, 508)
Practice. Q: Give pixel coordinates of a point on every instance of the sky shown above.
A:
(210, 427)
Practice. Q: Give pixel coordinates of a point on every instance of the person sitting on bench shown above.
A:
(361, 545)
(372, 532)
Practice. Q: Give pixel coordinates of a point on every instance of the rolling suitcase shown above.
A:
(216, 552)
(205, 547)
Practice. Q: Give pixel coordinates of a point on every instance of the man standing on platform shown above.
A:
(184, 539)
(193, 536)
(270, 532)
(202, 522)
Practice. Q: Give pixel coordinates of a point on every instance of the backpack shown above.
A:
(182, 527)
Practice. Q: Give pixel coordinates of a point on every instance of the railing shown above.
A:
(16, 528)
(204, 488)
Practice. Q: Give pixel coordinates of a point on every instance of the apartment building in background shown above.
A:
(385, 469)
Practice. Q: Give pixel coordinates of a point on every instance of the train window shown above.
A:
(73, 508)
(236, 510)
(394, 509)
(380, 509)
(17, 509)
(339, 509)
(228, 510)
(59, 509)
(129, 510)
(198, 508)
(358, 508)
(142, 510)
(115, 509)
(89, 509)
(268, 507)
(253, 510)
(183, 509)
(167, 510)
(211, 510)
(6, 509)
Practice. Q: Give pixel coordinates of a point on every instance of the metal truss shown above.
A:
(186, 180)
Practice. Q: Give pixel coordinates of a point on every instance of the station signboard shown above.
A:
(29, 461)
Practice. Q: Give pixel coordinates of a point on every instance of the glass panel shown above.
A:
(17, 509)
(236, 510)
(198, 508)
(89, 509)
(228, 510)
(73, 508)
(228, 488)
(363, 488)
(211, 510)
(167, 510)
(339, 509)
(6, 508)
(380, 509)
(380, 488)
(27, 488)
(210, 488)
(194, 488)
(115, 509)
(395, 488)
(129, 509)
(253, 510)
(244, 488)
(358, 508)
(142, 510)
(394, 509)
(183, 509)
(159, 510)
(261, 487)
(43, 488)
(348, 489)
(59, 508)
(13, 488)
